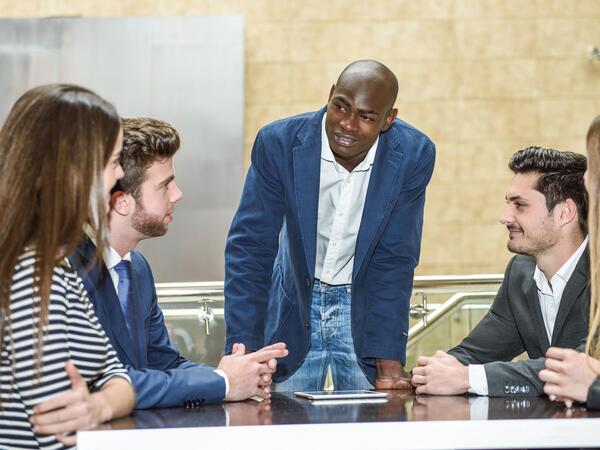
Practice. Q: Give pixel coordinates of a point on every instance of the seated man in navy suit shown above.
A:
(123, 292)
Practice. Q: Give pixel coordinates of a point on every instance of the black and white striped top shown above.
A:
(72, 333)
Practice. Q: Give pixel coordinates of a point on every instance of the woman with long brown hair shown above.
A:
(59, 151)
(570, 375)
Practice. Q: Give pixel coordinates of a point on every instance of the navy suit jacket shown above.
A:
(160, 375)
(271, 247)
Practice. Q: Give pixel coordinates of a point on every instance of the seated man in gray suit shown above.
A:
(544, 298)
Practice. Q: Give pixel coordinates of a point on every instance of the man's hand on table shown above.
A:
(440, 374)
(391, 375)
(250, 374)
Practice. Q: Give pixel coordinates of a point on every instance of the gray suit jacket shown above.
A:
(514, 324)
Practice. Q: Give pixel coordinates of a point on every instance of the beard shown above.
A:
(536, 241)
(147, 224)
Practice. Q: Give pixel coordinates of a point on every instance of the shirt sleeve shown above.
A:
(477, 380)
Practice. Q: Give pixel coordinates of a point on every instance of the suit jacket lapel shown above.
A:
(306, 158)
(101, 290)
(386, 169)
(533, 302)
(573, 290)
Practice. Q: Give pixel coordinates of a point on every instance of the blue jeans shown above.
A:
(330, 344)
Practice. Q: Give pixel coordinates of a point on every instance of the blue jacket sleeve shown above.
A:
(174, 387)
(252, 245)
(391, 270)
(170, 379)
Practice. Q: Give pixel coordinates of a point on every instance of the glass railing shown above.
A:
(443, 310)
(447, 325)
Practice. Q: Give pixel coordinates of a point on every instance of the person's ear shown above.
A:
(568, 211)
(331, 91)
(389, 119)
(121, 203)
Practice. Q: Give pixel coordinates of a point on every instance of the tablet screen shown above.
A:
(340, 395)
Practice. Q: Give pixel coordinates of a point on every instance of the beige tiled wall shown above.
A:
(483, 78)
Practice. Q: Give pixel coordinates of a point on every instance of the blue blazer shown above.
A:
(160, 375)
(271, 247)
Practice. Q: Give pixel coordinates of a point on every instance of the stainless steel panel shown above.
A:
(188, 71)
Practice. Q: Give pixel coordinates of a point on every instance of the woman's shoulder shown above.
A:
(64, 276)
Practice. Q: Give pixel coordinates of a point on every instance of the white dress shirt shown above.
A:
(549, 295)
(342, 197)
(111, 259)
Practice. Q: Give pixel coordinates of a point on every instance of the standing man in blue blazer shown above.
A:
(322, 250)
(123, 292)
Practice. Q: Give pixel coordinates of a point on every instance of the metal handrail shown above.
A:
(442, 310)
(214, 288)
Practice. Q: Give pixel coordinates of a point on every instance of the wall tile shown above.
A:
(337, 41)
(437, 119)
(447, 165)
(568, 8)
(498, 120)
(503, 79)
(569, 77)
(421, 80)
(493, 38)
(422, 39)
(567, 118)
(484, 162)
(268, 83)
(443, 205)
(267, 42)
(311, 81)
(566, 38)
(480, 9)
(485, 244)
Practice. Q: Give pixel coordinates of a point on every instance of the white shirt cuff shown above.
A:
(477, 380)
(220, 372)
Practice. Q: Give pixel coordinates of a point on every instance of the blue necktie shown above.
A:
(123, 269)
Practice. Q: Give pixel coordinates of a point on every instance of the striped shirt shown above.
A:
(72, 333)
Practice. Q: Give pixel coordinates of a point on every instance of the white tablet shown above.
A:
(340, 395)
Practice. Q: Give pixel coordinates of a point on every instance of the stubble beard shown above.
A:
(147, 224)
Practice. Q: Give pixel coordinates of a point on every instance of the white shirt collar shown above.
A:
(112, 257)
(564, 273)
(327, 154)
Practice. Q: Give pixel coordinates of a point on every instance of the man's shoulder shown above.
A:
(139, 261)
(402, 130)
(520, 268)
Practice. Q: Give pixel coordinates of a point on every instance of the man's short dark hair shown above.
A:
(145, 141)
(560, 176)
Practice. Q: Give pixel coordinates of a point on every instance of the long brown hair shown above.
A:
(54, 146)
(593, 186)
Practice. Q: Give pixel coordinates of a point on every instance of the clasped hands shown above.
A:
(249, 373)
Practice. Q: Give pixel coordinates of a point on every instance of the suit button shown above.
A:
(307, 324)
(307, 281)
